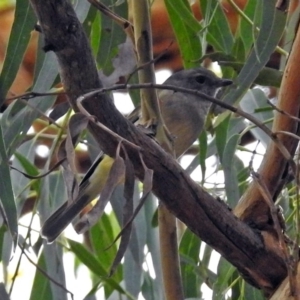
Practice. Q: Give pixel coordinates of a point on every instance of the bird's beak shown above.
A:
(225, 82)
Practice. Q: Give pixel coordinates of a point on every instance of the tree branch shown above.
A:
(274, 167)
(207, 217)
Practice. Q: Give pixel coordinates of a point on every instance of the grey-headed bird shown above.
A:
(184, 116)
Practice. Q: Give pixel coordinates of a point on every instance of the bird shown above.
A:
(183, 115)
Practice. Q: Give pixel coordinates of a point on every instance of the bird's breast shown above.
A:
(185, 124)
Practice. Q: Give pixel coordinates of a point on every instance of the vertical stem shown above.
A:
(143, 43)
(169, 254)
(151, 113)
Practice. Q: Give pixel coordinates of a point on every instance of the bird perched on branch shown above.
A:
(184, 116)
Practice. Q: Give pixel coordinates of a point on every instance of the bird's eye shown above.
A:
(200, 79)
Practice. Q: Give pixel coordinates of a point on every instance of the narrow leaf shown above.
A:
(245, 27)
(41, 284)
(272, 27)
(127, 213)
(230, 174)
(219, 33)
(221, 136)
(7, 198)
(189, 253)
(3, 292)
(253, 100)
(94, 265)
(203, 152)
(19, 37)
(188, 39)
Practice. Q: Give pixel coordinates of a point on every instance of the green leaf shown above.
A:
(229, 168)
(238, 51)
(134, 257)
(112, 36)
(266, 77)
(55, 269)
(18, 118)
(29, 168)
(87, 258)
(41, 284)
(23, 187)
(221, 136)
(152, 241)
(189, 250)
(188, 38)
(94, 265)
(272, 28)
(203, 152)
(102, 235)
(7, 198)
(2, 245)
(52, 193)
(219, 33)
(245, 27)
(255, 99)
(182, 7)
(225, 276)
(251, 292)
(95, 35)
(24, 21)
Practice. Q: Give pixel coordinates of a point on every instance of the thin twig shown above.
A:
(125, 24)
(34, 108)
(227, 106)
(30, 95)
(105, 128)
(152, 61)
(57, 164)
(46, 275)
(282, 111)
(295, 136)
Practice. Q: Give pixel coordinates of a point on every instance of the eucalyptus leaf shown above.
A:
(230, 174)
(187, 36)
(41, 284)
(18, 118)
(52, 191)
(219, 32)
(7, 198)
(189, 253)
(24, 21)
(272, 27)
(253, 100)
(245, 27)
(111, 37)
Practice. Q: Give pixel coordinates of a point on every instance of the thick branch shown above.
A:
(252, 206)
(207, 217)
